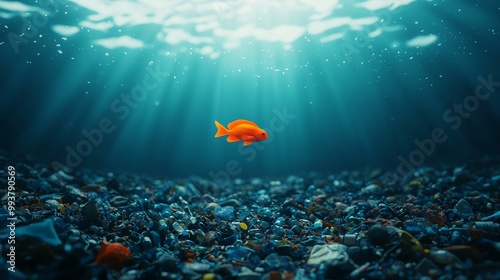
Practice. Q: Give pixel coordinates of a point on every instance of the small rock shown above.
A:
(373, 188)
(379, 235)
(224, 213)
(147, 244)
(327, 254)
(318, 224)
(118, 201)
(231, 202)
(463, 209)
(427, 268)
(54, 204)
(90, 211)
(275, 275)
(248, 274)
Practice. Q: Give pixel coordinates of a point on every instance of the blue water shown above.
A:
(136, 86)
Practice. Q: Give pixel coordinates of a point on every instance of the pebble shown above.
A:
(379, 235)
(43, 231)
(198, 267)
(147, 244)
(119, 201)
(209, 276)
(54, 204)
(326, 254)
(224, 213)
(463, 209)
(90, 211)
(248, 274)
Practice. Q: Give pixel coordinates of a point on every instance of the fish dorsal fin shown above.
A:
(238, 122)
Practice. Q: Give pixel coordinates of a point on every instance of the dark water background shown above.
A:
(340, 105)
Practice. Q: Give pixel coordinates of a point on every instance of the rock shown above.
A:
(43, 231)
(378, 235)
(327, 254)
(463, 209)
(118, 201)
(54, 204)
(224, 213)
(90, 211)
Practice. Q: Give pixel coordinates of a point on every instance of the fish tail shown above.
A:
(221, 130)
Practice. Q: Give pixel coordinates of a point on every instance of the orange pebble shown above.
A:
(275, 275)
(113, 254)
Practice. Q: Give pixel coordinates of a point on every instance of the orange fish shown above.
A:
(241, 130)
(113, 254)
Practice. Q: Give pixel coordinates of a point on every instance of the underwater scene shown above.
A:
(250, 139)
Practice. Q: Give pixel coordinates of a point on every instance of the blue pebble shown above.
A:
(280, 221)
(225, 213)
(39, 185)
(244, 214)
(318, 224)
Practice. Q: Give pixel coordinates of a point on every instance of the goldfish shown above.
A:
(241, 130)
(113, 254)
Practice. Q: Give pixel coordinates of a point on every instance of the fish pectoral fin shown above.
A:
(246, 137)
(246, 143)
(232, 139)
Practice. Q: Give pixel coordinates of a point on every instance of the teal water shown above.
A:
(338, 85)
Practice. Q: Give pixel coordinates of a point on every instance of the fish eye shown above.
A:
(263, 133)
